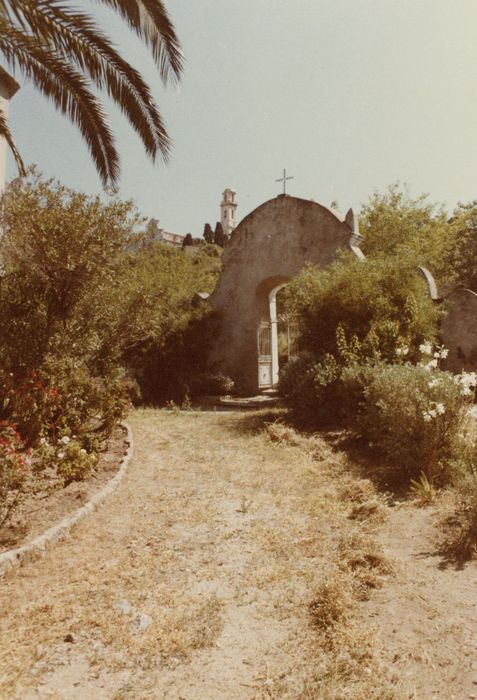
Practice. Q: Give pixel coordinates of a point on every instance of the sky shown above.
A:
(349, 96)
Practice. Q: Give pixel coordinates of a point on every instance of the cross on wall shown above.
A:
(284, 179)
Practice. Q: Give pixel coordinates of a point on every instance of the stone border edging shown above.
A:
(38, 547)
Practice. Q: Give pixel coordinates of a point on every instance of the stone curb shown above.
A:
(37, 548)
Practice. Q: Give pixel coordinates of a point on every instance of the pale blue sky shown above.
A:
(348, 95)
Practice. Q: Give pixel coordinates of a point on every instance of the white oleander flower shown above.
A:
(65, 440)
(61, 455)
(468, 378)
(440, 408)
(425, 348)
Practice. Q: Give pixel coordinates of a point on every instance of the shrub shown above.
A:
(415, 416)
(73, 463)
(31, 403)
(323, 392)
(312, 389)
(361, 311)
(211, 384)
(464, 542)
(14, 469)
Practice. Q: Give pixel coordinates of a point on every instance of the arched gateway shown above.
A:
(269, 247)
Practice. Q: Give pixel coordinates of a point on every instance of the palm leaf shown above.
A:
(150, 20)
(5, 132)
(76, 37)
(69, 92)
(64, 54)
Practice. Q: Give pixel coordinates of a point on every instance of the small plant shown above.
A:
(186, 404)
(73, 461)
(281, 433)
(463, 542)
(423, 489)
(332, 603)
(244, 505)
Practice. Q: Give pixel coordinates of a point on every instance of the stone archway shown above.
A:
(269, 247)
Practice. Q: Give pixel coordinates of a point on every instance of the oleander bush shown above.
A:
(416, 418)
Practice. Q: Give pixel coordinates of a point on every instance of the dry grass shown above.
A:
(281, 433)
(224, 530)
(460, 523)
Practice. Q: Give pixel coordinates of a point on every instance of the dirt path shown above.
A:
(427, 612)
(194, 582)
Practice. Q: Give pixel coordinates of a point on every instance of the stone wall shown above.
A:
(459, 330)
(269, 247)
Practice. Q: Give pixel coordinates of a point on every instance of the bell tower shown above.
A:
(228, 211)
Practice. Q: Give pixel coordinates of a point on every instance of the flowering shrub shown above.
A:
(32, 403)
(14, 468)
(73, 463)
(416, 416)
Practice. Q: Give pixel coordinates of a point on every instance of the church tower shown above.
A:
(228, 211)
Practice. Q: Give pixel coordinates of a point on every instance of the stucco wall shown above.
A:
(271, 245)
(459, 330)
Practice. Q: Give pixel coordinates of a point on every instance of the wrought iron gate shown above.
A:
(264, 343)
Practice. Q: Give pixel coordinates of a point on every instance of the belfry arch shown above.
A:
(267, 249)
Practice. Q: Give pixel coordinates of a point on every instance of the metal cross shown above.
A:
(284, 179)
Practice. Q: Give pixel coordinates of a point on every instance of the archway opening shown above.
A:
(276, 336)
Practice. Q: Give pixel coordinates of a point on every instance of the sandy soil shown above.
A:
(194, 581)
(427, 612)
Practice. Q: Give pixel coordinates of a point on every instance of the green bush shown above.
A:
(312, 389)
(415, 417)
(359, 311)
(211, 384)
(73, 463)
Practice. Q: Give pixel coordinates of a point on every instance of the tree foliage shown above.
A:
(463, 256)
(414, 229)
(376, 305)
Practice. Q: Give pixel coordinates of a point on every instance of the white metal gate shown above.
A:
(264, 343)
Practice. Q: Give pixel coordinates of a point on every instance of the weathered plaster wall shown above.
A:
(270, 246)
(459, 330)
(8, 87)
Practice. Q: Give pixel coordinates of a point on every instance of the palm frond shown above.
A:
(150, 20)
(6, 133)
(64, 53)
(76, 37)
(68, 90)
